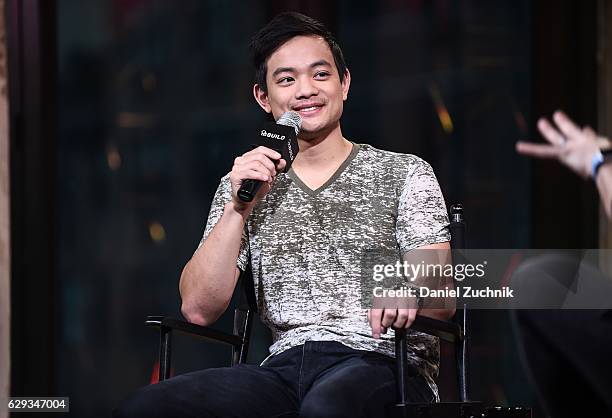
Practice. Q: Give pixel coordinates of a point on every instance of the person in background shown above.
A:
(579, 149)
(566, 352)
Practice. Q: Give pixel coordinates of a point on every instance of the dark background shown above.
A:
(126, 113)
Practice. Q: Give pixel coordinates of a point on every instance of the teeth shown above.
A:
(306, 109)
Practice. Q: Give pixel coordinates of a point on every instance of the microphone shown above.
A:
(282, 138)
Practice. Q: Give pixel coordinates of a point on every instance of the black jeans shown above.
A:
(317, 379)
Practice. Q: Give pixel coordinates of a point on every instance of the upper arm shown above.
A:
(431, 254)
(437, 246)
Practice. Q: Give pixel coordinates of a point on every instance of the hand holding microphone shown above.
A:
(253, 173)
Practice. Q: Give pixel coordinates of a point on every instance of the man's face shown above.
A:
(302, 77)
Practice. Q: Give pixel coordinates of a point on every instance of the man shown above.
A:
(566, 351)
(305, 234)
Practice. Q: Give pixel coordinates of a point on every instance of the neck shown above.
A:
(324, 150)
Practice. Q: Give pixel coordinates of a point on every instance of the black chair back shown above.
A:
(455, 332)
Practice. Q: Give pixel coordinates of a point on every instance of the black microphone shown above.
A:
(282, 138)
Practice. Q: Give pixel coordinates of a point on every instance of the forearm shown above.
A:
(440, 314)
(604, 187)
(441, 308)
(209, 278)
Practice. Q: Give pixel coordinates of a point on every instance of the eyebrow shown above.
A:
(318, 63)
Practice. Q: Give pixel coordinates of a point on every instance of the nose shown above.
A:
(305, 88)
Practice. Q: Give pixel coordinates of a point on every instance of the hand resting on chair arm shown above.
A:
(399, 312)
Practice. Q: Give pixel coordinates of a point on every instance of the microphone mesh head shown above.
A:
(291, 119)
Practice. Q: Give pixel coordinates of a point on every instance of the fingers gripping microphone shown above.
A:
(282, 138)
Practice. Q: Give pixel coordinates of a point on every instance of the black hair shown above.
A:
(282, 28)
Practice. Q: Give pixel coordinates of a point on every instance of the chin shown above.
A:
(315, 131)
(308, 135)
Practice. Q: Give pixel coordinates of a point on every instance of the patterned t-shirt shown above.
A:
(305, 247)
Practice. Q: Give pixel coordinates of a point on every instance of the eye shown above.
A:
(285, 80)
(322, 74)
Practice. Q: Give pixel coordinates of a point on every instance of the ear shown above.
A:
(346, 84)
(262, 98)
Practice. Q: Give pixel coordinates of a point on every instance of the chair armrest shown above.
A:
(191, 329)
(445, 330)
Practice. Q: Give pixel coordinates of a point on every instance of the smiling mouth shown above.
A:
(307, 110)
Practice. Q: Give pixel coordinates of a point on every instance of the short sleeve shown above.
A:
(222, 196)
(421, 216)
